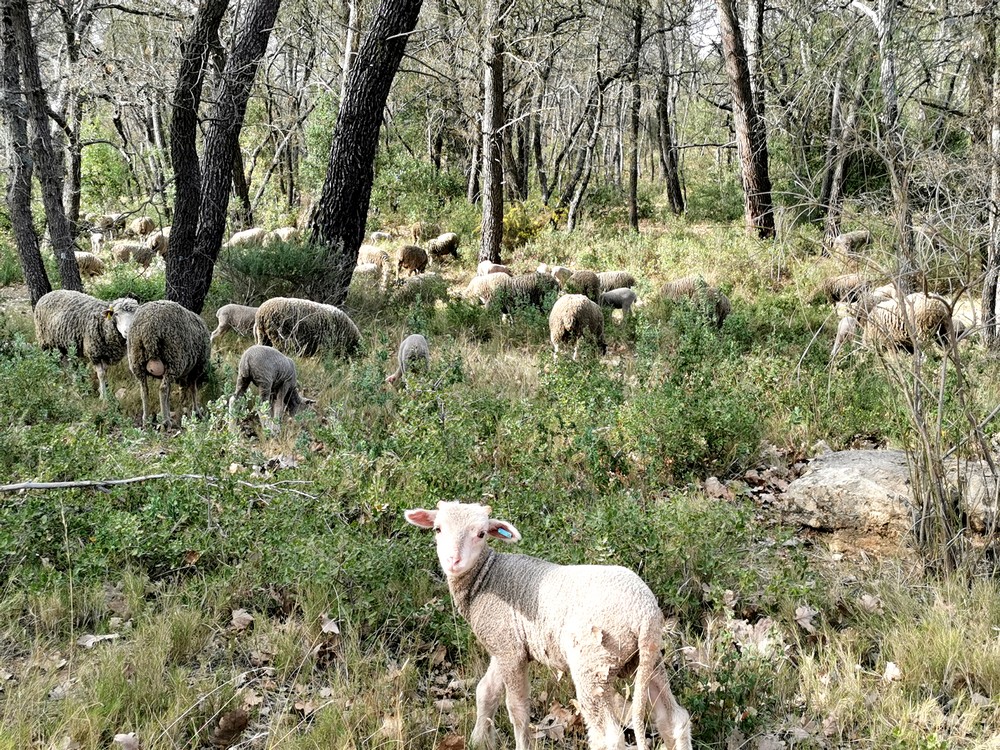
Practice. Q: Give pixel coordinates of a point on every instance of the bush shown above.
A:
(278, 269)
(123, 280)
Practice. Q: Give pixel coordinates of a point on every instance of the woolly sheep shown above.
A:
(159, 241)
(442, 245)
(428, 287)
(381, 237)
(141, 226)
(89, 264)
(694, 288)
(247, 238)
(169, 342)
(850, 242)
(482, 287)
(413, 259)
(585, 283)
(66, 320)
(848, 286)
(274, 375)
(574, 316)
(424, 230)
(889, 325)
(487, 267)
(615, 280)
(845, 331)
(96, 241)
(124, 251)
(559, 273)
(284, 234)
(619, 299)
(411, 349)
(596, 622)
(372, 254)
(533, 289)
(303, 327)
(233, 317)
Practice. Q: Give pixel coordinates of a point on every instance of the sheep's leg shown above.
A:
(168, 421)
(488, 694)
(102, 386)
(594, 681)
(144, 393)
(195, 406)
(222, 328)
(278, 399)
(515, 679)
(672, 722)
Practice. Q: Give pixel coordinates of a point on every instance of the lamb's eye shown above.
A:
(482, 534)
(437, 529)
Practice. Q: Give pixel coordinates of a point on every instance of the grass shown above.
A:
(354, 642)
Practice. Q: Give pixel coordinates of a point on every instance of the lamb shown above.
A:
(411, 349)
(233, 317)
(694, 288)
(533, 289)
(619, 299)
(67, 320)
(413, 259)
(574, 316)
(96, 241)
(851, 242)
(284, 234)
(124, 251)
(442, 245)
(615, 280)
(166, 341)
(559, 273)
(428, 287)
(381, 237)
(482, 287)
(487, 267)
(303, 327)
(585, 283)
(274, 375)
(141, 226)
(597, 622)
(247, 238)
(159, 241)
(89, 264)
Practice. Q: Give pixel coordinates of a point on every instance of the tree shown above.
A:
(338, 223)
(493, 123)
(633, 158)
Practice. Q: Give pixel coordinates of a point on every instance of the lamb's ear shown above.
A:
(421, 517)
(504, 530)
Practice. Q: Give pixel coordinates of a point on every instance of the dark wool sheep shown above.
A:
(584, 282)
(413, 259)
(305, 328)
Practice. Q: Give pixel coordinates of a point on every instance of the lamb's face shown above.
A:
(461, 531)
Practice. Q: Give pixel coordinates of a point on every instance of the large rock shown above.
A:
(976, 484)
(864, 491)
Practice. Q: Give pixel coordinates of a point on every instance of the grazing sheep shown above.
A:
(284, 234)
(585, 283)
(66, 320)
(848, 286)
(233, 317)
(109, 224)
(366, 271)
(412, 349)
(596, 622)
(372, 254)
(413, 259)
(424, 230)
(845, 331)
(274, 375)
(487, 267)
(381, 237)
(850, 242)
(247, 238)
(123, 251)
(533, 289)
(96, 241)
(694, 288)
(559, 273)
(303, 327)
(442, 245)
(482, 287)
(159, 241)
(169, 342)
(427, 287)
(574, 316)
(89, 264)
(619, 299)
(141, 226)
(615, 280)
(889, 325)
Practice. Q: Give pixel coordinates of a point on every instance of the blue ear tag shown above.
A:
(505, 533)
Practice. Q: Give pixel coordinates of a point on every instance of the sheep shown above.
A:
(442, 245)
(381, 237)
(411, 349)
(694, 288)
(169, 342)
(615, 280)
(848, 286)
(597, 622)
(247, 238)
(274, 375)
(424, 230)
(527, 289)
(141, 226)
(574, 316)
(372, 254)
(850, 242)
(619, 299)
(67, 320)
(124, 251)
(845, 331)
(487, 267)
(89, 264)
(482, 287)
(585, 283)
(233, 317)
(96, 241)
(413, 259)
(304, 327)
(427, 287)
(892, 325)
(283, 234)
(559, 273)
(159, 241)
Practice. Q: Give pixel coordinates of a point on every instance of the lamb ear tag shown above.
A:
(504, 533)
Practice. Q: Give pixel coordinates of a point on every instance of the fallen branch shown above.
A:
(104, 484)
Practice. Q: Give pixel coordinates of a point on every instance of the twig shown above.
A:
(102, 484)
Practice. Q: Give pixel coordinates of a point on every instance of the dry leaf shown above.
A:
(241, 619)
(556, 722)
(770, 742)
(892, 672)
(251, 699)
(438, 656)
(328, 625)
(452, 742)
(231, 726)
(870, 603)
(191, 556)
(127, 741)
(89, 641)
(305, 707)
(804, 617)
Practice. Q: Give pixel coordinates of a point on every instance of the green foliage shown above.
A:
(125, 280)
(105, 176)
(10, 265)
(412, 189)
(523, 222)
(277, 269)
(713, 194)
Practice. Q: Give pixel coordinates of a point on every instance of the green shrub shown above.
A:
(123, 280)
(278, 269)
(10, 265)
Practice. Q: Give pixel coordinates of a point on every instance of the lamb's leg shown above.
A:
(515, 679)
(221, 329)
(595, 693)
(488, 694)
(195, 406)
(168, 421)
(672, 721)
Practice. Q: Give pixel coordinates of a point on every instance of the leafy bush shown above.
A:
(10, 265)
(123, 280)
(278, 269)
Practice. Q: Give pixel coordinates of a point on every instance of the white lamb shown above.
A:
(597, 622)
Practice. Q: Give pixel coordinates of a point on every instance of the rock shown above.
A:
(977, 486)
(865, 491)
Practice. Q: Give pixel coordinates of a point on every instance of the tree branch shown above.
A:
(104, 484)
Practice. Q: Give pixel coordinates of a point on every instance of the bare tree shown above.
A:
(636, 103)
(493, 123)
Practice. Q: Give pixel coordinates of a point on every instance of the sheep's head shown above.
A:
(461, 531)
(120, 313)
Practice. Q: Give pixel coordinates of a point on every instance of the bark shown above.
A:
(47, 162)
(990, 287)
(751, 138)
(669, 161)
(338, 223)
(189, 273)
(493, 116)
(585, 168)
(20, 165)
(633, 157)
(350, 44)
(244, 211)
(833, 203)
(472, 189)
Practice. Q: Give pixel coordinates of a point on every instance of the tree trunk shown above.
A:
(338, 223)
(43, 149)
(751, 138)
(669, 162)
(633, 157)
(472, 190)
(189, 272)
(493, 116)
(20, 166)
(586, 165)
(244, 210)
(990, 287)
(833, 201)
(350, 44)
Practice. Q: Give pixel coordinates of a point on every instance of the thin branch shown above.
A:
(104, 484)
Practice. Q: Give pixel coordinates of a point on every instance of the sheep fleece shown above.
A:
(172, 334)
